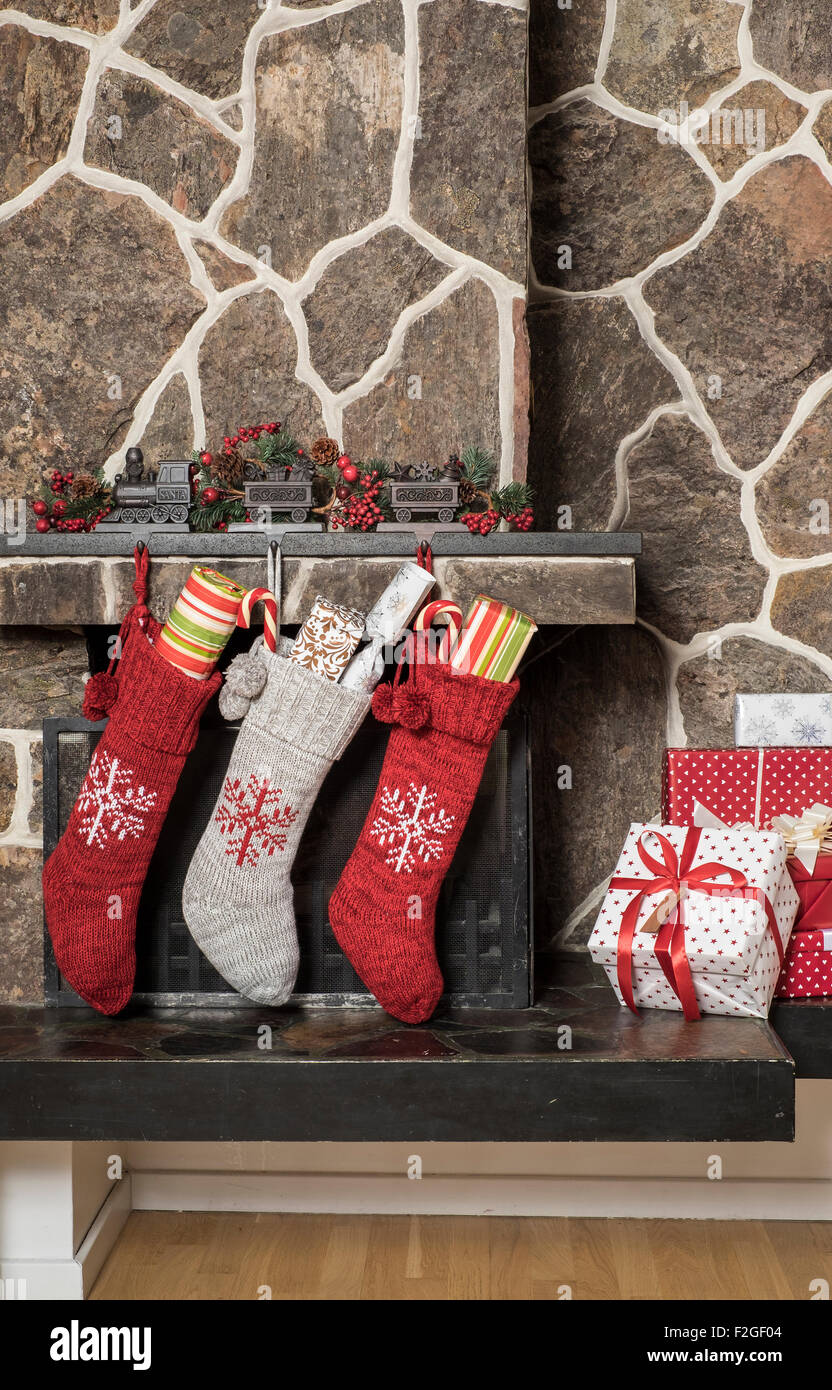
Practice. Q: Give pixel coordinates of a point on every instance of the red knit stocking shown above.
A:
(93, 880)
(382, 911)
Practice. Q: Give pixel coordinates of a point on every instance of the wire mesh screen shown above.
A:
(483, 919)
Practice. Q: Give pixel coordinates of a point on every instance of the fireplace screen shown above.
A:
(483, 919)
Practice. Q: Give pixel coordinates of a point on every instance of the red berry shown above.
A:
(42, 525)
(349, 472)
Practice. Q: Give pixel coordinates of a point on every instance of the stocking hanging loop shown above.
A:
(101, 690)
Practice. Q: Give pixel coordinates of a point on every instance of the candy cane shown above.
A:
(269, 615)
(450, 613)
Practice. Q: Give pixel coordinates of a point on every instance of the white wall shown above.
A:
(36, 1201)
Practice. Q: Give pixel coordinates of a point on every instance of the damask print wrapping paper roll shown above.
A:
(328, 638)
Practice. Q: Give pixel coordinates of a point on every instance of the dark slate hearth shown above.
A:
(358, 1075)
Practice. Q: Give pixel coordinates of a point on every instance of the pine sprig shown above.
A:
(279, 450)
(477, 466)
(380, 466)
(512, 498)
(208, 518)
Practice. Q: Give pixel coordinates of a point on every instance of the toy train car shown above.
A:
(424, 498)
(274, 491)
(159, 500)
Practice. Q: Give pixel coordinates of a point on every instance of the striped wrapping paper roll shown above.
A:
(200, 622)
(494, 638)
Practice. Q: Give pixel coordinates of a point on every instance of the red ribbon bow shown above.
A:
(674, 874)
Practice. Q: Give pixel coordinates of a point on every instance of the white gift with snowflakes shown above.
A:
(782, 721)
(728, 933)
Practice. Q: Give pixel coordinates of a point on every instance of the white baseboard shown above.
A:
(691, 1198)
(62, 1280)
(39, 1280)
(104, 1232)
(70, 1279)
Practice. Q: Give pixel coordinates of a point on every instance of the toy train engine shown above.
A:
(279, 489)
(160, 499)
(418, 490)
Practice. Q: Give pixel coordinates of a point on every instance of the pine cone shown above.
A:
(85, 485)
(325, 451)
(467, 493)
(227, 468)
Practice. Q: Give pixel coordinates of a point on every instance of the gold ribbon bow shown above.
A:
(807, 834)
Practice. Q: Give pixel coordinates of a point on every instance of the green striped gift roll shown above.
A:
(201, 622)
(494, 637)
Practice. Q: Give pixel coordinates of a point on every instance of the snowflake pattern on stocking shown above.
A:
(252, 817)
(407, 825)
(109, 804)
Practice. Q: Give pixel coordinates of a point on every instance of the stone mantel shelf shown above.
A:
(556, 577)
(551, 544)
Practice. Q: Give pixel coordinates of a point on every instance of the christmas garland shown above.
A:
(71, 501)
(346, 494)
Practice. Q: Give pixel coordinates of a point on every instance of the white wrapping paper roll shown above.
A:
(386, 621)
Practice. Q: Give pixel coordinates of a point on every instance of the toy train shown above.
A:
(162, 499)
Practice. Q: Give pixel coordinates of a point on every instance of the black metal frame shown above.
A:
(518, 944)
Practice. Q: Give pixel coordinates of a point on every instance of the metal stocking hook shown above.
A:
(274, 577)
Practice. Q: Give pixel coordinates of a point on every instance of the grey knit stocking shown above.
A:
(237, 899)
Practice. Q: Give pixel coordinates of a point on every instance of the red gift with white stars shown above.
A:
(727, 924)
(808, 969)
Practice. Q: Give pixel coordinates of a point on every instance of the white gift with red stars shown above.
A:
(729, 942)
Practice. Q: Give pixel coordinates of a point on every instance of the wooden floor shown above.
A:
(172, 1255)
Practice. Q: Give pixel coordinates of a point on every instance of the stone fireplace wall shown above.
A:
(680, 312)
(679, 309)
(212, 214)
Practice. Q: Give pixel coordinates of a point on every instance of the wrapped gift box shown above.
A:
(744, 784)
(721, 949)
(782, 720)
(807, 972)
(814, 889)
